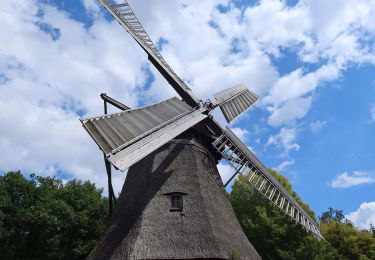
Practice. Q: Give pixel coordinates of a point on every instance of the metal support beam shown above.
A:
(111, 194)
(234, 175)
(113, 102)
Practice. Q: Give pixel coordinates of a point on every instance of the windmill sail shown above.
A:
(235, 100)
(126, 17)
(129, 136)
(244, 161)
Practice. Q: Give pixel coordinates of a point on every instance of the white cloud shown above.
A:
(190, 23)
(47, 79)
(92, 6)
(285, 139)
(340, 28)
(284, 165)
(47, 82)
(372, 112)
(364, 216)
(241, 133)
(226, 171)
(317, 126)
(331, 34)
(298, 83)
(290, 98)
(289, 25)
(345, 180)
(290, 111)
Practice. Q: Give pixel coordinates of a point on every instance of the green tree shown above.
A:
(332, 215)
(274, 235)
(348, 242)
(42, 218)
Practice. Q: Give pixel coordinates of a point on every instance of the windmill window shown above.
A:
(176, 202)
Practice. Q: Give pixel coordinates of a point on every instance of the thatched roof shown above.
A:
(142, 225)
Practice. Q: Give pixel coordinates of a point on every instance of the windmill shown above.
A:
(173, 203)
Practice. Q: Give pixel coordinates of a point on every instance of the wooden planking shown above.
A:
(234, 101)
(138, 150)
(114, 130)
(125, 16)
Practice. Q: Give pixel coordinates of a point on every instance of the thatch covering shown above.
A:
(143, 226)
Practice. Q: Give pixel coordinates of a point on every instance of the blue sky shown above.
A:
(311, 62)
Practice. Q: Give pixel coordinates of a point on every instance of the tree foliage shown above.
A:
(276, 236)
(42, 218)
(332, 215)
(348, 242)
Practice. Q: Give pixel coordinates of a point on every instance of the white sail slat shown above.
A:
(234, 101)
(115, 130)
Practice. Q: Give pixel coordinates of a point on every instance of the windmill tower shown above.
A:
(173, 204)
